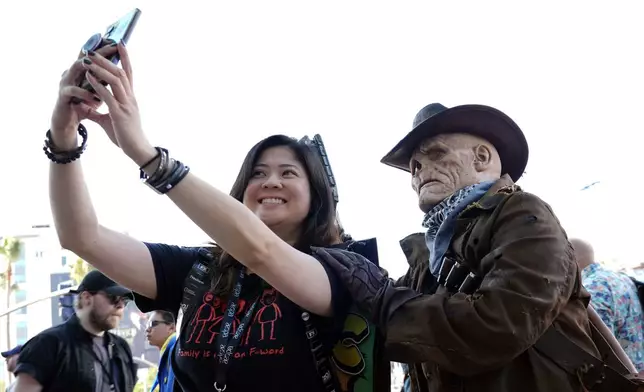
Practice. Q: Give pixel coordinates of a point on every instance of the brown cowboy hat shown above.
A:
(479, 120)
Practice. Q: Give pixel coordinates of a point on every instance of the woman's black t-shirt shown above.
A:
(273, 354)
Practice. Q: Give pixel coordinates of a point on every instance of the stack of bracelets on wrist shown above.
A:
(63, 157)
(168, 173)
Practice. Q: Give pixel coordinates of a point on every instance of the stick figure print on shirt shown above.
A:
(269, 313)
(218, 315)
(241, 309)
(220, 310)
(205, 313)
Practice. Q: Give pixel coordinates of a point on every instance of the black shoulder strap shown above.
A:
(196, 282)
(321, 357)
(593, 372)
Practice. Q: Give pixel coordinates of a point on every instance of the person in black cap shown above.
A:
(11, 358)
(80, 354)
(499, 304)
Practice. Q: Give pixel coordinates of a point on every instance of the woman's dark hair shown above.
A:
(344, 236)
(319, 228)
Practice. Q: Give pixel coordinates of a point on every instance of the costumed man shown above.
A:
(499, 306)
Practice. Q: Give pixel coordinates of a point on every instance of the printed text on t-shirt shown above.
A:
(205, 326)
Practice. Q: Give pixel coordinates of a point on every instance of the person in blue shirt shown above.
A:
(614, 297)
(161, 333)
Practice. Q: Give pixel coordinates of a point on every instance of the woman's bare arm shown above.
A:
(122, 258)
(297, 275)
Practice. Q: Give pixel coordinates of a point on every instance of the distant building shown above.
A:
(40, 259)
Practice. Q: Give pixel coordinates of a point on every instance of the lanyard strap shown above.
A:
(225, 343)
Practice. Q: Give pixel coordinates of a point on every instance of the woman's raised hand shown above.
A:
(122, 123)
(74, 103)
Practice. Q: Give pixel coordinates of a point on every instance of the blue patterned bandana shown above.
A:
(440, 221)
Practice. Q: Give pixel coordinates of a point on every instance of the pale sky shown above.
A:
(213, 78)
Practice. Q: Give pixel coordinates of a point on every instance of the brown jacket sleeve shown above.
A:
(417, 254)
(529, 274)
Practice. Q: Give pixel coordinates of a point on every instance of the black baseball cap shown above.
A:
(95, 281)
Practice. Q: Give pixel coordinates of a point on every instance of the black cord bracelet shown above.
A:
(167, 174)
(172, 182)
(179, 172)
(161, 182)
(159, 151)
(160, 171)
(64, 157)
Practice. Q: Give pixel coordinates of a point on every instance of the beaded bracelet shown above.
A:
(65, 157)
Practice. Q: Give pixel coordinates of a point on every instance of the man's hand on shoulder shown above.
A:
(369, 286)
(362, 278)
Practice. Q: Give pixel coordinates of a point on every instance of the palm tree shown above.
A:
(10, 250)
(80, 268)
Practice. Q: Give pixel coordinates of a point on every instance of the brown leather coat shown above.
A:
(483, 342)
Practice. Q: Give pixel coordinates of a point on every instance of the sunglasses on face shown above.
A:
(113, 299)
(154, 323)
(116, 299)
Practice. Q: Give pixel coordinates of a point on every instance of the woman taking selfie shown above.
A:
(264, 292)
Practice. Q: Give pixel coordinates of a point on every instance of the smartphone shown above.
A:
(120, 31)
